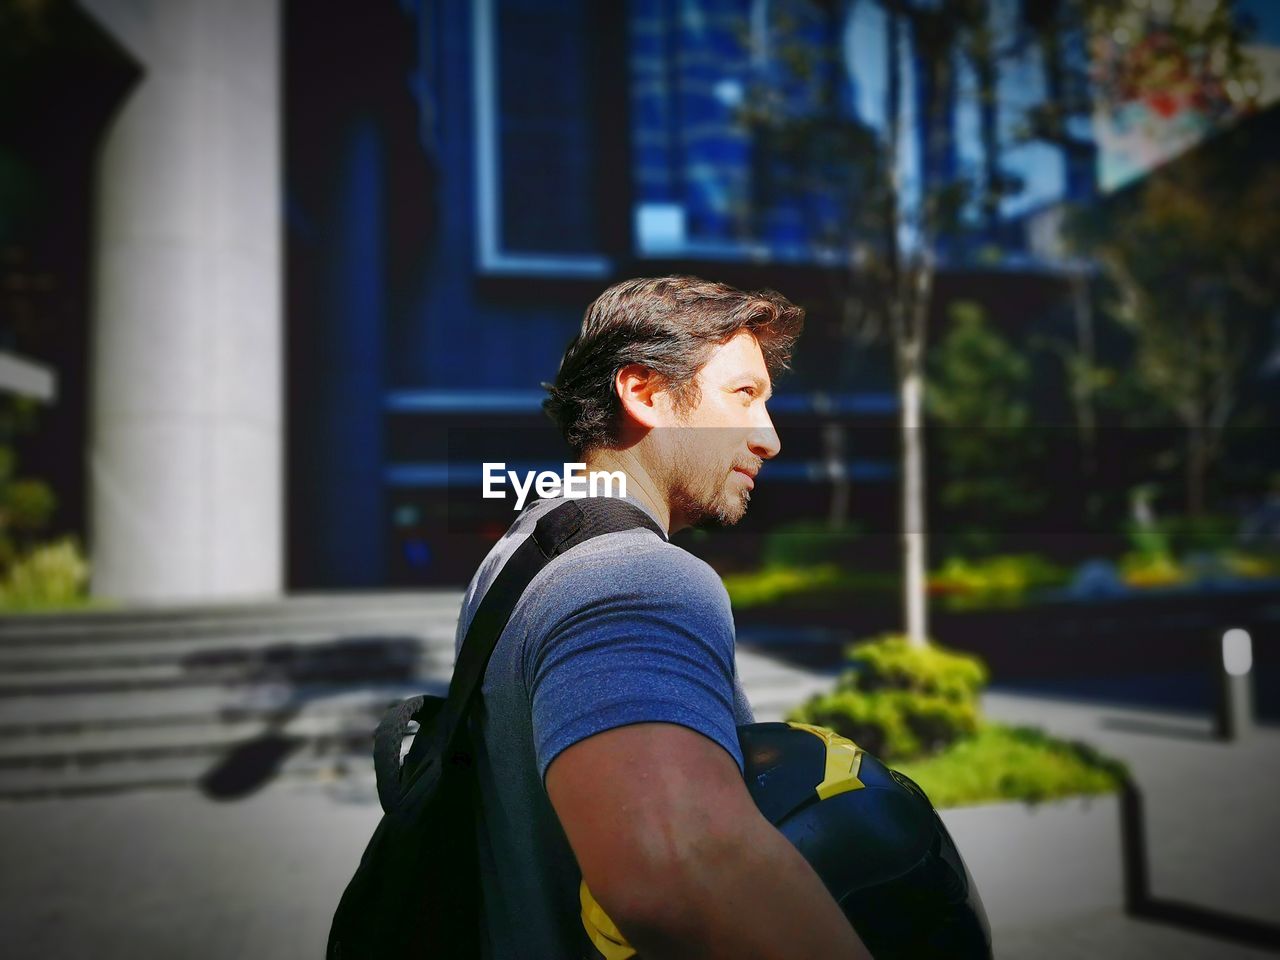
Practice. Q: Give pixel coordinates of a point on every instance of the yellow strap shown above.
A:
(606, 936)
(844, 760)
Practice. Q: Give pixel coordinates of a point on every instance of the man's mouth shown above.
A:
(750, 477)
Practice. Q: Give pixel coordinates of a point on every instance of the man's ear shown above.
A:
(642, 395)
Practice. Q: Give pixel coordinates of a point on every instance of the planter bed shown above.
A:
(1044, 862)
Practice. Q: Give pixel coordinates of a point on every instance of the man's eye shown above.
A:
(749, 391)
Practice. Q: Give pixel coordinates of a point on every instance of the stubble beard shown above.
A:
(704, 498)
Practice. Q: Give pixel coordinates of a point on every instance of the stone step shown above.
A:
(352, 671)
(70, 750)
(228, 646)
(144, 630)
(252, 606)
(177, 772)
(165, 622)
(193, 707)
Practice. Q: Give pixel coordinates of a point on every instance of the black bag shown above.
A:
(416, 892)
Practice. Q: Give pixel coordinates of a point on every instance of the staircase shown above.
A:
(224, 698)
(216, 697)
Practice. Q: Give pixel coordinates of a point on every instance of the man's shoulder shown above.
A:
(628, 568)
(633, 558)
(632, 562)
(632, 573)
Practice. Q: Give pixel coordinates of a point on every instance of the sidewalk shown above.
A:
(1212, 825)
(171, 873)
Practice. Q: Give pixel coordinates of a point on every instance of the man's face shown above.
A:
(719, 445)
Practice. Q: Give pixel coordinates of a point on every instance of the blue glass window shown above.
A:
(538, 167)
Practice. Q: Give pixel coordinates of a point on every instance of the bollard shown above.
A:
(1234, 719)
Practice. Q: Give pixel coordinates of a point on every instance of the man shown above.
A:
(606, 745)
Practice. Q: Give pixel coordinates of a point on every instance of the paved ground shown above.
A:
(1212, 834)
(171, 874)
(168, 874)
(1109, 933)
(1213, 825)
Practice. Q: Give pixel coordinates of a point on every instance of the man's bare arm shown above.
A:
(675, 851)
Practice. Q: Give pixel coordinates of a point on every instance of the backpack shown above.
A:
(416, 892)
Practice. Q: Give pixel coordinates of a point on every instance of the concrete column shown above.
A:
(185, 439)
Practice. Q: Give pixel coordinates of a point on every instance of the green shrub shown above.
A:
(875, 723)
(1152, 570)
(777, 583)
(918, 709)
(1249, 564)
(1178, 536)
(1172, 551)
(51, 575)
(1013, 763)
(899, 700)
(26, 504)
(893, 662)
(811, 543)
(1200, 534)
(892, 724)
(993, 581)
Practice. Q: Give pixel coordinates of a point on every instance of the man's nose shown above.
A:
(763, 440)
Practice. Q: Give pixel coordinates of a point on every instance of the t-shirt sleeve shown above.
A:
(639, 638)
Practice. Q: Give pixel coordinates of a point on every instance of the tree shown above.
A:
(978, 395)
(881, 234)
(1193, 260)
(1190, 252)
(1116, 72)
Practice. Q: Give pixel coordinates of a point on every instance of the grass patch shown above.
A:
(1001, 763)
(999, 581)
(83, 604)
(52, 576)
(823, 586)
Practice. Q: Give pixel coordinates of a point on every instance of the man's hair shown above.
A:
(670, 325)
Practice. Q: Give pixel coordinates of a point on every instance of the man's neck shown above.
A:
(640, 484)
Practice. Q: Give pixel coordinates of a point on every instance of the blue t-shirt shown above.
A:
(625, 628)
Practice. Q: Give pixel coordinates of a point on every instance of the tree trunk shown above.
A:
(833, 449)
(914, 583)
(932, 41)
(1082, 378)
(1197, 469)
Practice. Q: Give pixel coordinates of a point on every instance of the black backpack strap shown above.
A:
(388, 742)
(562, 529)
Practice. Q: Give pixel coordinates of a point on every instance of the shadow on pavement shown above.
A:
(1140, 903)
(249, 767)
(277, 682)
